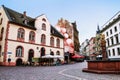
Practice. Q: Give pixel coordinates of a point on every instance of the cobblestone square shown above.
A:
(63, 72)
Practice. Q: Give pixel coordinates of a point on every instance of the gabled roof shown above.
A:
(55, 32)
(18, 18)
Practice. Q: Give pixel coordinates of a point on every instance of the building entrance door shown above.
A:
(42, 51)
(19, 62)
(30, 55)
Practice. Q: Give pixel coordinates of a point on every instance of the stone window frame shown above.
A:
(19, 51)
(20, 34)
(43, 39)
(51, 41)
(32, 36)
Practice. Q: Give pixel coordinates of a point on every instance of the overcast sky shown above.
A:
(87, 13)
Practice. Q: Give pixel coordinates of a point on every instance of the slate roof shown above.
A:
(54, 32)
(18, 18)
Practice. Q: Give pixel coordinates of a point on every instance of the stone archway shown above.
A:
(19, 62)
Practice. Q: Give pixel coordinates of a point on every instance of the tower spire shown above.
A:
(98, 30)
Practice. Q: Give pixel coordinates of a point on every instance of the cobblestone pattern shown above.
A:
(64, 72)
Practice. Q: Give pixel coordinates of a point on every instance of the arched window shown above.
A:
(58, 42)
(1, 21)
(52, 41)
(58, 53)
(51, 53)
(32, 36)
(44, 26)
(44, 19)
(2, 31)
(43, 39)
(19, 51)
(21, 33)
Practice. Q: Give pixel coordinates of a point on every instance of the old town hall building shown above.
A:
(23, 37)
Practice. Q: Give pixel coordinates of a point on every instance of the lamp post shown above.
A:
(9, 59)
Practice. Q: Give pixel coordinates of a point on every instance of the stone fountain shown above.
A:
(104, 66)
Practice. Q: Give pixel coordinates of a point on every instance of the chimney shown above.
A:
(24, 13)
(24, 18)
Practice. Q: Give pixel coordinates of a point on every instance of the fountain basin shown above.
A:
(103, 66)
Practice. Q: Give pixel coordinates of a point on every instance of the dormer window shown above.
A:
(25, 21)
(53, 31)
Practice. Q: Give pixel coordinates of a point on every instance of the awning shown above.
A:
(51, 56)
(48, 56)
(77, 56)
(92, 55)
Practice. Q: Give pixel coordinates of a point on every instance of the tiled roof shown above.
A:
(19, 19)
(54, 32)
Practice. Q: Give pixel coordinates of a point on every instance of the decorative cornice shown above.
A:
(33, 43)
(111, 22)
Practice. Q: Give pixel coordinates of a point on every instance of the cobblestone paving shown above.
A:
(90, 76)
(64, 72)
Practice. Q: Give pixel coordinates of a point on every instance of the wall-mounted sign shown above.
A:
(9, 52)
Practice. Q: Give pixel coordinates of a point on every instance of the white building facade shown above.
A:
(84, 49)
(111, 30)
(23, 37)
